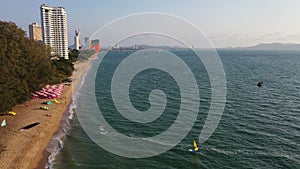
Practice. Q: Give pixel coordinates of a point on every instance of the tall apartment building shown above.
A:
(77, 41)
(54, 29)
(35, 32)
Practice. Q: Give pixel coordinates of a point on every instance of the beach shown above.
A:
(27, 149)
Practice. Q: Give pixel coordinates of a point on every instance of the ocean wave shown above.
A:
(71, 110)
(54, 148)
(75, 95)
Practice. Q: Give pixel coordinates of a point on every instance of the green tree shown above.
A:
(25, 66)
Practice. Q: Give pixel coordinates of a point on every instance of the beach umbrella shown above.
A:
(34, 96)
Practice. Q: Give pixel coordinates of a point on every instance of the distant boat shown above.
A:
(195, 149)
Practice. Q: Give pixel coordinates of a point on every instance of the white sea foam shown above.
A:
(54, 147)
(57, 142)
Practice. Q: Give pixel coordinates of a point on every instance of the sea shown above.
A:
(259, 127)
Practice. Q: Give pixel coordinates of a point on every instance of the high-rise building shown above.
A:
(54, 29)
(35, 32)
(86, 40)
(77, 39)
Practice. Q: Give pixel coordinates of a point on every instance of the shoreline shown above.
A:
(28, 149)
(46, 154)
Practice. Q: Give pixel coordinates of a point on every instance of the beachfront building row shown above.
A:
(54, 29)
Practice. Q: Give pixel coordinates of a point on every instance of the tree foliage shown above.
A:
(63, 68)
(25, 66)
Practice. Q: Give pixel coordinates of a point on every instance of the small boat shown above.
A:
(260, 84)
(195, 150)
(29, 126)
(12, 113)
(44, 108)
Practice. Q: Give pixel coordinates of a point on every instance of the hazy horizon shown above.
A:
(226, 24)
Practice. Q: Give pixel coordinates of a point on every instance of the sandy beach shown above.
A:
(27, 149)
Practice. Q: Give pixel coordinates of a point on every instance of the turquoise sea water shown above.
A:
(259, 127)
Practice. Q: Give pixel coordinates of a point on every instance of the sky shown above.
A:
(227, 23)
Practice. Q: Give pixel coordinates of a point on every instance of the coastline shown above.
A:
(43, 162)
(28, 149)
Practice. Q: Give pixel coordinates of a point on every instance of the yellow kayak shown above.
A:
(12, 113)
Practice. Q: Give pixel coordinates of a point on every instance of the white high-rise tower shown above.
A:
(54, 29)
(77, 39)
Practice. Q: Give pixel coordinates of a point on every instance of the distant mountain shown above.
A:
(271, 46)
(159, 47)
